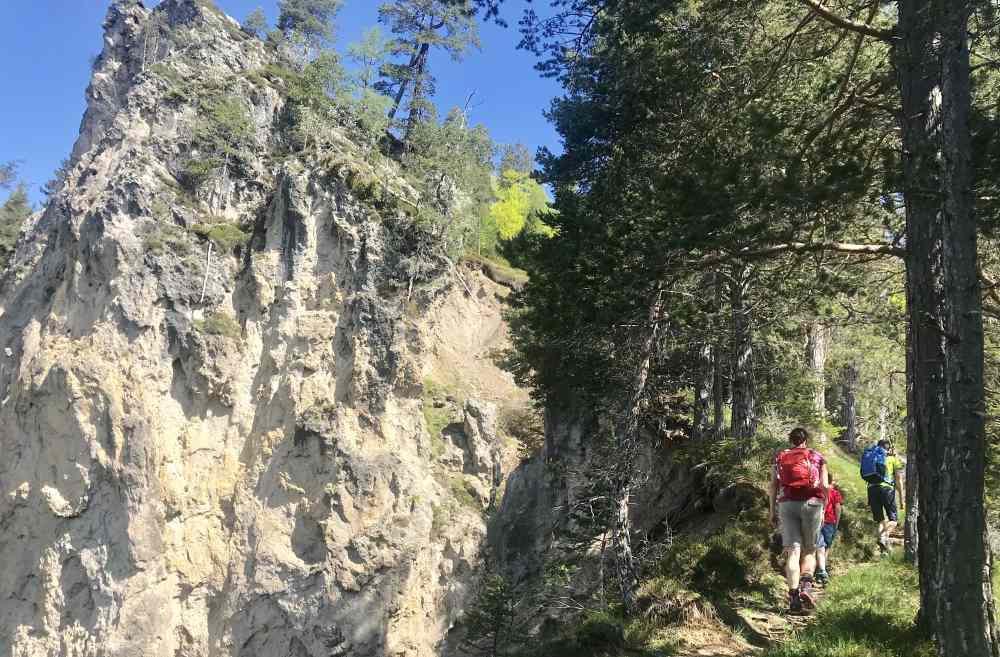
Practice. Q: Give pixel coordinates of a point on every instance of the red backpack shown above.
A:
(798, 472)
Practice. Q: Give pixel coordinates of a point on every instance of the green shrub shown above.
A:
(218, 323)
(165, 237)
(464, 493)
(226, 236)
(526, 425)
(222, 137)
(438, 413)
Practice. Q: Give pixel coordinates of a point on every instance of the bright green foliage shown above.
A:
(510, 212)
(255, 24)
(12, 215)
(519, 198)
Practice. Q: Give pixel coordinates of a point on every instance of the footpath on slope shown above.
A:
(867, 609)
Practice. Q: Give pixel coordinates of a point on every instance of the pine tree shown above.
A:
(255, 23)
(306, 27)
(420, 26)
(8, 174)
(12, 215)
(58, 178)
(515, 157)
(310, 18)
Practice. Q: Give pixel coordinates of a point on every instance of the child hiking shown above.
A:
(801, 475)
(884, 474)
(831, 521)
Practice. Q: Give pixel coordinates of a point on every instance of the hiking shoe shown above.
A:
(822, 578)
(795, 602)
(806, 600)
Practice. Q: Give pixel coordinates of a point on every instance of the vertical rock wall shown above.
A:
(218, 451)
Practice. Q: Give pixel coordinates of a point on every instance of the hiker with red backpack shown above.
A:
(801, 475)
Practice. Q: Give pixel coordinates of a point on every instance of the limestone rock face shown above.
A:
(213, 448)
(482, 444)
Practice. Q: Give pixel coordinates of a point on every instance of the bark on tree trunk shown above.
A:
(418, 92)
(816, 359)
(849, 406)
(744, 423)
(398, 100)
(628, 448)
(718, 375)
(703, 391)
(911, 534)
(932, 60)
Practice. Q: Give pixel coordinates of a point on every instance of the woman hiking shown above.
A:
(800, 473)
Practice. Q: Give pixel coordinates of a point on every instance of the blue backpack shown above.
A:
(873, 468)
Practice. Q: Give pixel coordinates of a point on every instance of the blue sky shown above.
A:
(46, 47)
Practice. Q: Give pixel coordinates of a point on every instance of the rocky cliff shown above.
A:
(213, 380)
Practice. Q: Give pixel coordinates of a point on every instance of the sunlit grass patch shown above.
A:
(868, 612)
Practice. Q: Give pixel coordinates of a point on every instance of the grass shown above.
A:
(498, 270)
(601, 634)
(436, 418)
(868, 612)
(164, 237)
(219, 324)
(226, 236)
(464, 493)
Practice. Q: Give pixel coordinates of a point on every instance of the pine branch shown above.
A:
(847, 24)
(803, 247)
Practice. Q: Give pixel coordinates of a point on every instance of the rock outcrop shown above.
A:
(211, 380)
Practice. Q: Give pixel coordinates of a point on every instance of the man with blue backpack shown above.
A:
(884, 474)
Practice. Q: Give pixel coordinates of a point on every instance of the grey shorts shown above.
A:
(800, 522)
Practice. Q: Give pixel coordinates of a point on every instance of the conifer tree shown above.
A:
(255, 23)
(12, 215)
(420, 27)
(310, 18)
(8, 174)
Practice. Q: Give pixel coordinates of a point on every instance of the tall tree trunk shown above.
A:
(849, 406)
(398, 100)
(932, 59)
(816, 360)
(703, 391)
(417, 98)
(628, 449)
(744, 423)
(718, 374)
(911, 534)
